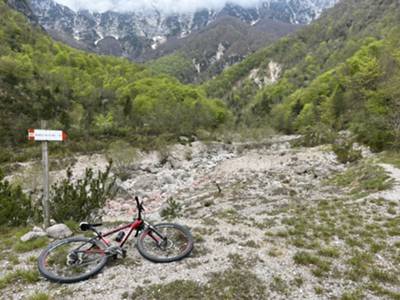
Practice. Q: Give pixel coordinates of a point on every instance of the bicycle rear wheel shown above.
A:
(72, 260)
(165, 242)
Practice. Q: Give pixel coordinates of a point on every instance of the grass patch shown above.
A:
(250, 244)
(279, 285)
(231, 216)
(382, 291)
(390, 157)
(360, 263)
(353, 295)
(224, 240)
(332, 252)
(10, 236)
(363, 177)
(39, 296)
(320, 267)
(231, 284)
(38, 243)
(22, 276)
(383, 276)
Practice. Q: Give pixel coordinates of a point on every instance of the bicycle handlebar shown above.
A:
(139, 206)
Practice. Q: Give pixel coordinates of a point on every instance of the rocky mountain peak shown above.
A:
(152, 33)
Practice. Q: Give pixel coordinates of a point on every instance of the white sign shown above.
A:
(46, 135)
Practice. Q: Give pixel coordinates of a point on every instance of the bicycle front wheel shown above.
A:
(72, 260)
(165, 242)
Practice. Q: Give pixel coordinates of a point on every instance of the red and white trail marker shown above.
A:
(45, 136)
(42, 135)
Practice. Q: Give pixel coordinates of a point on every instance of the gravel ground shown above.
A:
(273, 198)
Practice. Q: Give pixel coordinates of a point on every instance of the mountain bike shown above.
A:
(78, 258)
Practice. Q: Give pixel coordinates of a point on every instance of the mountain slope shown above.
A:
(150, 34)
(308, 60)
(220, 45)
(89, 96)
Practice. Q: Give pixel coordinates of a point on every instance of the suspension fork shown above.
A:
(156, 235)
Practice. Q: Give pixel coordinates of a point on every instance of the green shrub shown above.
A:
(317, 135)
(345, 152)
(15, 205)
(78, 200)
(173, 210)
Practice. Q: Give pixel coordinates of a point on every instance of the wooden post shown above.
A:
(45, 164)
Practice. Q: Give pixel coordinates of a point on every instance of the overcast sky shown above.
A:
(164, 5)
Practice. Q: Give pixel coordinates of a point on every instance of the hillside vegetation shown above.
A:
(342, 72)
(88, 95)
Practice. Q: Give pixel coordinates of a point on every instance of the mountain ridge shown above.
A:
(141, 35)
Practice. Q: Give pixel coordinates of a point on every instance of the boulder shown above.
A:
(59, 231)
(34, 234)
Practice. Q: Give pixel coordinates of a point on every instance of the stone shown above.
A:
(34, 234)
(59, 231)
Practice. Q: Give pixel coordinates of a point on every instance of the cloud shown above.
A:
(167, 6)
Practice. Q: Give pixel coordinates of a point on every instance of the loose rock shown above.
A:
(59, 231)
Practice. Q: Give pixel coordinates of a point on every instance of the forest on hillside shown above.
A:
(340, 73)
(89, 96)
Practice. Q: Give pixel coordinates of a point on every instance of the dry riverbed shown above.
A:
(270, 221)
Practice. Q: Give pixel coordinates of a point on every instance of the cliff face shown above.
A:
(209, 40)
(24, 7)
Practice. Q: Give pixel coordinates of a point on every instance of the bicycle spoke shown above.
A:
(174, 244)
(71, 259)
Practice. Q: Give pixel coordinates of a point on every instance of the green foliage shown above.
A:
(172, 210)
(21, 247)
(345, 151)
(78, 200)
(317, 135)
(364, 177)
(89, 95)
(175, 65)
(354, 95)
(341, 72)
(15, 206)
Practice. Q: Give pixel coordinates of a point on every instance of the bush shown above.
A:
(345, 152)
(79, 200)
(317, 135)
(172, 210)
(15, 205)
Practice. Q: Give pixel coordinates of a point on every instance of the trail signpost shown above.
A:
(45, 136)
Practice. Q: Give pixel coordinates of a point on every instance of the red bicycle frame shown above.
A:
(136, 225)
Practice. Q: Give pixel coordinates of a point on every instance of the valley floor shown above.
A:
(288, 223)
